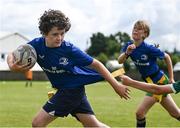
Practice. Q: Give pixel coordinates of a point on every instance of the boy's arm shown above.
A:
(136, 84)
(122, 58)
(148, 87)
(120, 89)
(14, 66)
(169, 67)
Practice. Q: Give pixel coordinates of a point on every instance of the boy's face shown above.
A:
(138, 33)
(55, 37)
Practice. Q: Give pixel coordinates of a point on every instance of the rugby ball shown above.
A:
(25, 55)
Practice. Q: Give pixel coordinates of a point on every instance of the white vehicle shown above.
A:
(112, 65)
(176, 67)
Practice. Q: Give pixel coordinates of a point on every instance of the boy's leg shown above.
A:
(143, 108)
(42, 119)
(89, 120)
(84, 113)
(30, 81)
(169, 104)
(26, 83)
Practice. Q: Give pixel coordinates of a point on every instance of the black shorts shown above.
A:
(68, 101)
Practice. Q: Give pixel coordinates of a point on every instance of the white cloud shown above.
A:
(170, 41)
(91, 16)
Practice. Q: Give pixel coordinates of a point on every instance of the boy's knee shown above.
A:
(95, 124)
(140, 115)
(36, 123)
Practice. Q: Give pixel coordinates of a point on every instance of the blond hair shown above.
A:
(145, 26)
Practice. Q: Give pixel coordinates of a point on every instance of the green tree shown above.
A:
(98, 44)
(106, 48)
(175, 58)
(102, 57)
(108, 45)
(112, 47)
(122, 38)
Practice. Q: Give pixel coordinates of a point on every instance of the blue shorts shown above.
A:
(68, 101)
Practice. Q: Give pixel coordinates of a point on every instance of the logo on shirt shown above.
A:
(141, 64)
(53, 68)
(63, 61)
(41, 56)
(144, 57)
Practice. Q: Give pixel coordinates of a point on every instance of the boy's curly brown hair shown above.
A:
(53, 18)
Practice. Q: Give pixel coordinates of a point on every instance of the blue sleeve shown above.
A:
(31, 43)
(34, 43)
(80, 58)
(156, 52)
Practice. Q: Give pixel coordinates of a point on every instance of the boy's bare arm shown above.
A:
(122, 58)
(170, 68)
(152, 88)
(120, 89)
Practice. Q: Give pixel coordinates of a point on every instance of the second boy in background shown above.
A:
(144, 57)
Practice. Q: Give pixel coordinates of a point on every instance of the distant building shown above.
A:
(9, 43)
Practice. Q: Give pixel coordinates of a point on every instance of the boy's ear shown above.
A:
(145, 35)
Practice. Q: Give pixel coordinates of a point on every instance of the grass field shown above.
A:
(19, 104)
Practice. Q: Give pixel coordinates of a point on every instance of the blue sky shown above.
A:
(91, 16)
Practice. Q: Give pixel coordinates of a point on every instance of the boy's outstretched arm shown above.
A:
(120, 89)
(148, 87)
